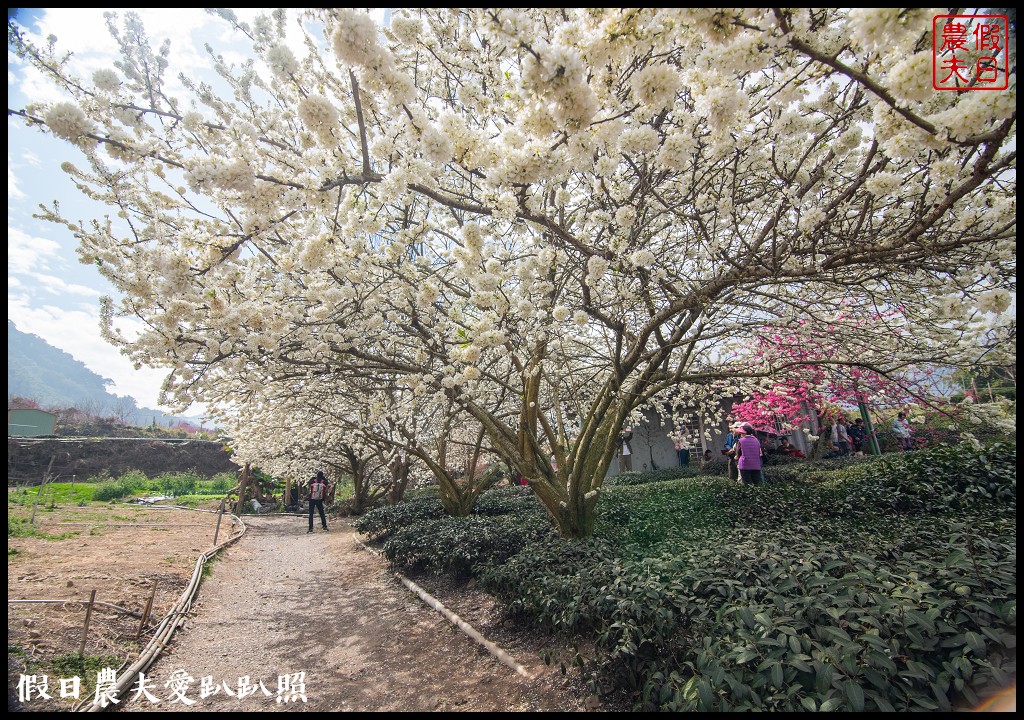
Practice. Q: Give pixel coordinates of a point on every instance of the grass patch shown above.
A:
(207, 570)
(21, 527)
(85, 667)
(192, 501)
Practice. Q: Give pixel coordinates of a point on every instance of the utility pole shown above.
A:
(875, 448)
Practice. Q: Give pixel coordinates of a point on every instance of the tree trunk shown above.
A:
(570, 495)
(399, 481)
(242, 487)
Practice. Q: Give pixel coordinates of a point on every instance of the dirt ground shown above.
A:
(314, 620)
(118, 550)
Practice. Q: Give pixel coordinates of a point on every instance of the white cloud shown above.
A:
(13, 193)
(58, 286)
(28, 253)
(77, 333)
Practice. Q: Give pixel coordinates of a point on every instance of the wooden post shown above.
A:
(88, 617)
(145, 613)
(288, 491)
(242, 486)
(46, 475)
(220, 515)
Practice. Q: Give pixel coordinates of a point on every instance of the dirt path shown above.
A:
(283, 602)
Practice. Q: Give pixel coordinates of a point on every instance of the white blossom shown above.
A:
(883, 184)
(282, 61)
(639, 140)
(106, 80)
(995, 301)
(657, 85)
(320, 116)
(355, 39)
(597, 266)
(625, 216)
(66, 120)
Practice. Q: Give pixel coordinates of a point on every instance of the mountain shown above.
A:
(53, 378)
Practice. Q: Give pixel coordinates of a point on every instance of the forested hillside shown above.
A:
(52, 378)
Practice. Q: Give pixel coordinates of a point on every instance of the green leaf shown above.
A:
(809, 703)
(855, 695)
(872, 639)
(830, 704)
(800, 665)
(747, 616)
(976, 643)
(882, 661)
(746, 656)
(838, 633)
(883, 703)
(823, 680)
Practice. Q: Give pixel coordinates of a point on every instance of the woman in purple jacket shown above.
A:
(749, 454)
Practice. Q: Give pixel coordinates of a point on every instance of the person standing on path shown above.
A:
(681, 441)
(749, 456)
(730, 451)
(625, 452)
(317, 493)
(901, 429)
(842, 432)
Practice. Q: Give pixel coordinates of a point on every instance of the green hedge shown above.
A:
(854, 584)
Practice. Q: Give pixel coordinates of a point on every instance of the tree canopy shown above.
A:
(545, 219)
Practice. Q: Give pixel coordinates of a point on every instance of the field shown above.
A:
(77, 545)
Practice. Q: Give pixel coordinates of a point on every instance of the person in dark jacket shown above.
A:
(858, 435)
(317, 493)
(625, 452)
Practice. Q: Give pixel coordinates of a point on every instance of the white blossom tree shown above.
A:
(376, 433)
(548, 217)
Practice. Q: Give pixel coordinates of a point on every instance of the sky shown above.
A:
(50, 293)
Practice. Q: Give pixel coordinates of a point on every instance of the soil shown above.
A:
(28, 459)
(280, 602)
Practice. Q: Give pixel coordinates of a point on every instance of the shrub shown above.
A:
(938, 479)
(642, 478)
(641, 518)
(175, 484)
(128, 484)
(217, 485)
(505, 500)
(380, 523)
(461, 546)
(861, 584)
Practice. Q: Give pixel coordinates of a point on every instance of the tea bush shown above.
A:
(380, 523)
(461, 546)
(856, 584)
(643, 478)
